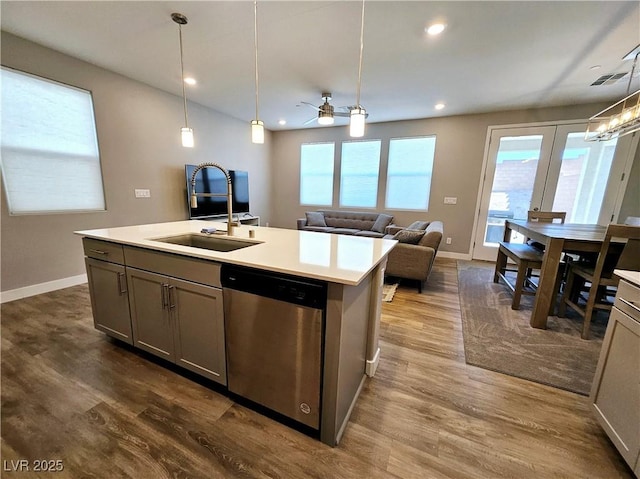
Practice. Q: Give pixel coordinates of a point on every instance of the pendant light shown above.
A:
(257, 126)
(358, 114)
(187, 133)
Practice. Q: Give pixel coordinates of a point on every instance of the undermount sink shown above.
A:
(214, 243)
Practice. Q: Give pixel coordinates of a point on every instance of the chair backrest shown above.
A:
(632, 220)
(613, 254)
(546, 216)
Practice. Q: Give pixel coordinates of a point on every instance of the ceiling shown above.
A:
(492, 56)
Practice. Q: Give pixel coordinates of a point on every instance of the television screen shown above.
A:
(240, 187)
(208, 180)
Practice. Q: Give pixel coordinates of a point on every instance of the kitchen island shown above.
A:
(161, 287)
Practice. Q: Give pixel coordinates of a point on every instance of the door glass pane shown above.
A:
(584, 173)
(516, 166)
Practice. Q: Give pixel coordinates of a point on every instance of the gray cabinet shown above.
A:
(180, 321)
(108, 289)
(615, 394)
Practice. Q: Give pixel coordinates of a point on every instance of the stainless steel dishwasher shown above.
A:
(274, 329)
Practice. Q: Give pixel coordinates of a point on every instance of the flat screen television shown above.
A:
(212, 180)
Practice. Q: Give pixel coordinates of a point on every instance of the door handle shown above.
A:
(122, 285)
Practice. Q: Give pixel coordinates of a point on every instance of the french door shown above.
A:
(548, 168)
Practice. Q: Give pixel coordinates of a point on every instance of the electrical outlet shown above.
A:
(142, 193)
(448, 240)
(450, 200)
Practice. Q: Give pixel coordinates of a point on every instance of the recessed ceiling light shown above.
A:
(435, 29)
(190, 81)
(282, 122)
(439, 106)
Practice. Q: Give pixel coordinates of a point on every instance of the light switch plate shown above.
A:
(142, 193)
(450, 200)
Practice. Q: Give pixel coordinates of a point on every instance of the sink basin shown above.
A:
(207, 242)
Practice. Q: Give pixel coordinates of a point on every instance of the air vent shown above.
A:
(609, 79)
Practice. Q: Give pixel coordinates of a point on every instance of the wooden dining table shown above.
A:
(557, 238)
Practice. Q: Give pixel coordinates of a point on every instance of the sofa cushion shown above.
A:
(315, 218)
(322, 229)
(370, 234)
(418, 225)
(382, 222)
(343, 231)
(409, 236)
(349, 219)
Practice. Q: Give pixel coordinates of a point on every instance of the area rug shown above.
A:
(388, 290)
(499, 338)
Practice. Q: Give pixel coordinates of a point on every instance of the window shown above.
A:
(50, 158)
(359, 173)
(409, 173)
(316, 174)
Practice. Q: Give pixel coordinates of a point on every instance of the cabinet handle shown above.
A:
(122, 285)
(97, 251)
(172, 300)
(631, 304)
(163, 291)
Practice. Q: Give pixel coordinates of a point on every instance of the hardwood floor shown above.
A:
(71, 394)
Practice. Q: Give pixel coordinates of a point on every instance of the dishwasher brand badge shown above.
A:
(305, 408)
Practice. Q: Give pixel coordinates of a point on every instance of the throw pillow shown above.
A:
(418, 225)
(382, 222)
(409, 236)
(315, 218)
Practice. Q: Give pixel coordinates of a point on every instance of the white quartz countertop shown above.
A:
(330, 257)
(630, 276)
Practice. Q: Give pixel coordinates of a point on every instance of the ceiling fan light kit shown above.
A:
(186, 133)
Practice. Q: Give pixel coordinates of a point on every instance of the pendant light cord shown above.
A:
(184, 91)
(633, 69)
(360, 65)
(255, 30)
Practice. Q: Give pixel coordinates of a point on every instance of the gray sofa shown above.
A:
(373, 225)
(412, 258)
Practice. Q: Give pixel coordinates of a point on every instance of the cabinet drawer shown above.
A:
(103, 250)
(628, 299)
(183, 267)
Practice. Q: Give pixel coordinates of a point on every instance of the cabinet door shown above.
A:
(616, 390)
(148, 295)
(198, 323)
(109, 299)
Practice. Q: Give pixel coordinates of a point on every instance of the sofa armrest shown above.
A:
(301, 222)
(410, 261)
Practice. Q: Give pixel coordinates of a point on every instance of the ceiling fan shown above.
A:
(326, 111)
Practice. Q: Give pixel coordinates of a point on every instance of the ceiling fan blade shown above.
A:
(310, 120)
(340, 113)
(311, 105)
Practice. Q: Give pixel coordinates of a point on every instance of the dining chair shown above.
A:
(546, 216)
(612, 254)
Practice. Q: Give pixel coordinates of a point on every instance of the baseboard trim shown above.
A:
(35, 289)
(372, 364)
(450, 255)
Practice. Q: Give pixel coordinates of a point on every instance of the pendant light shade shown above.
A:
(356, 125)
(257, 126)
(186, 132)
(358, 114)
(187, 137)
(257, 131)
